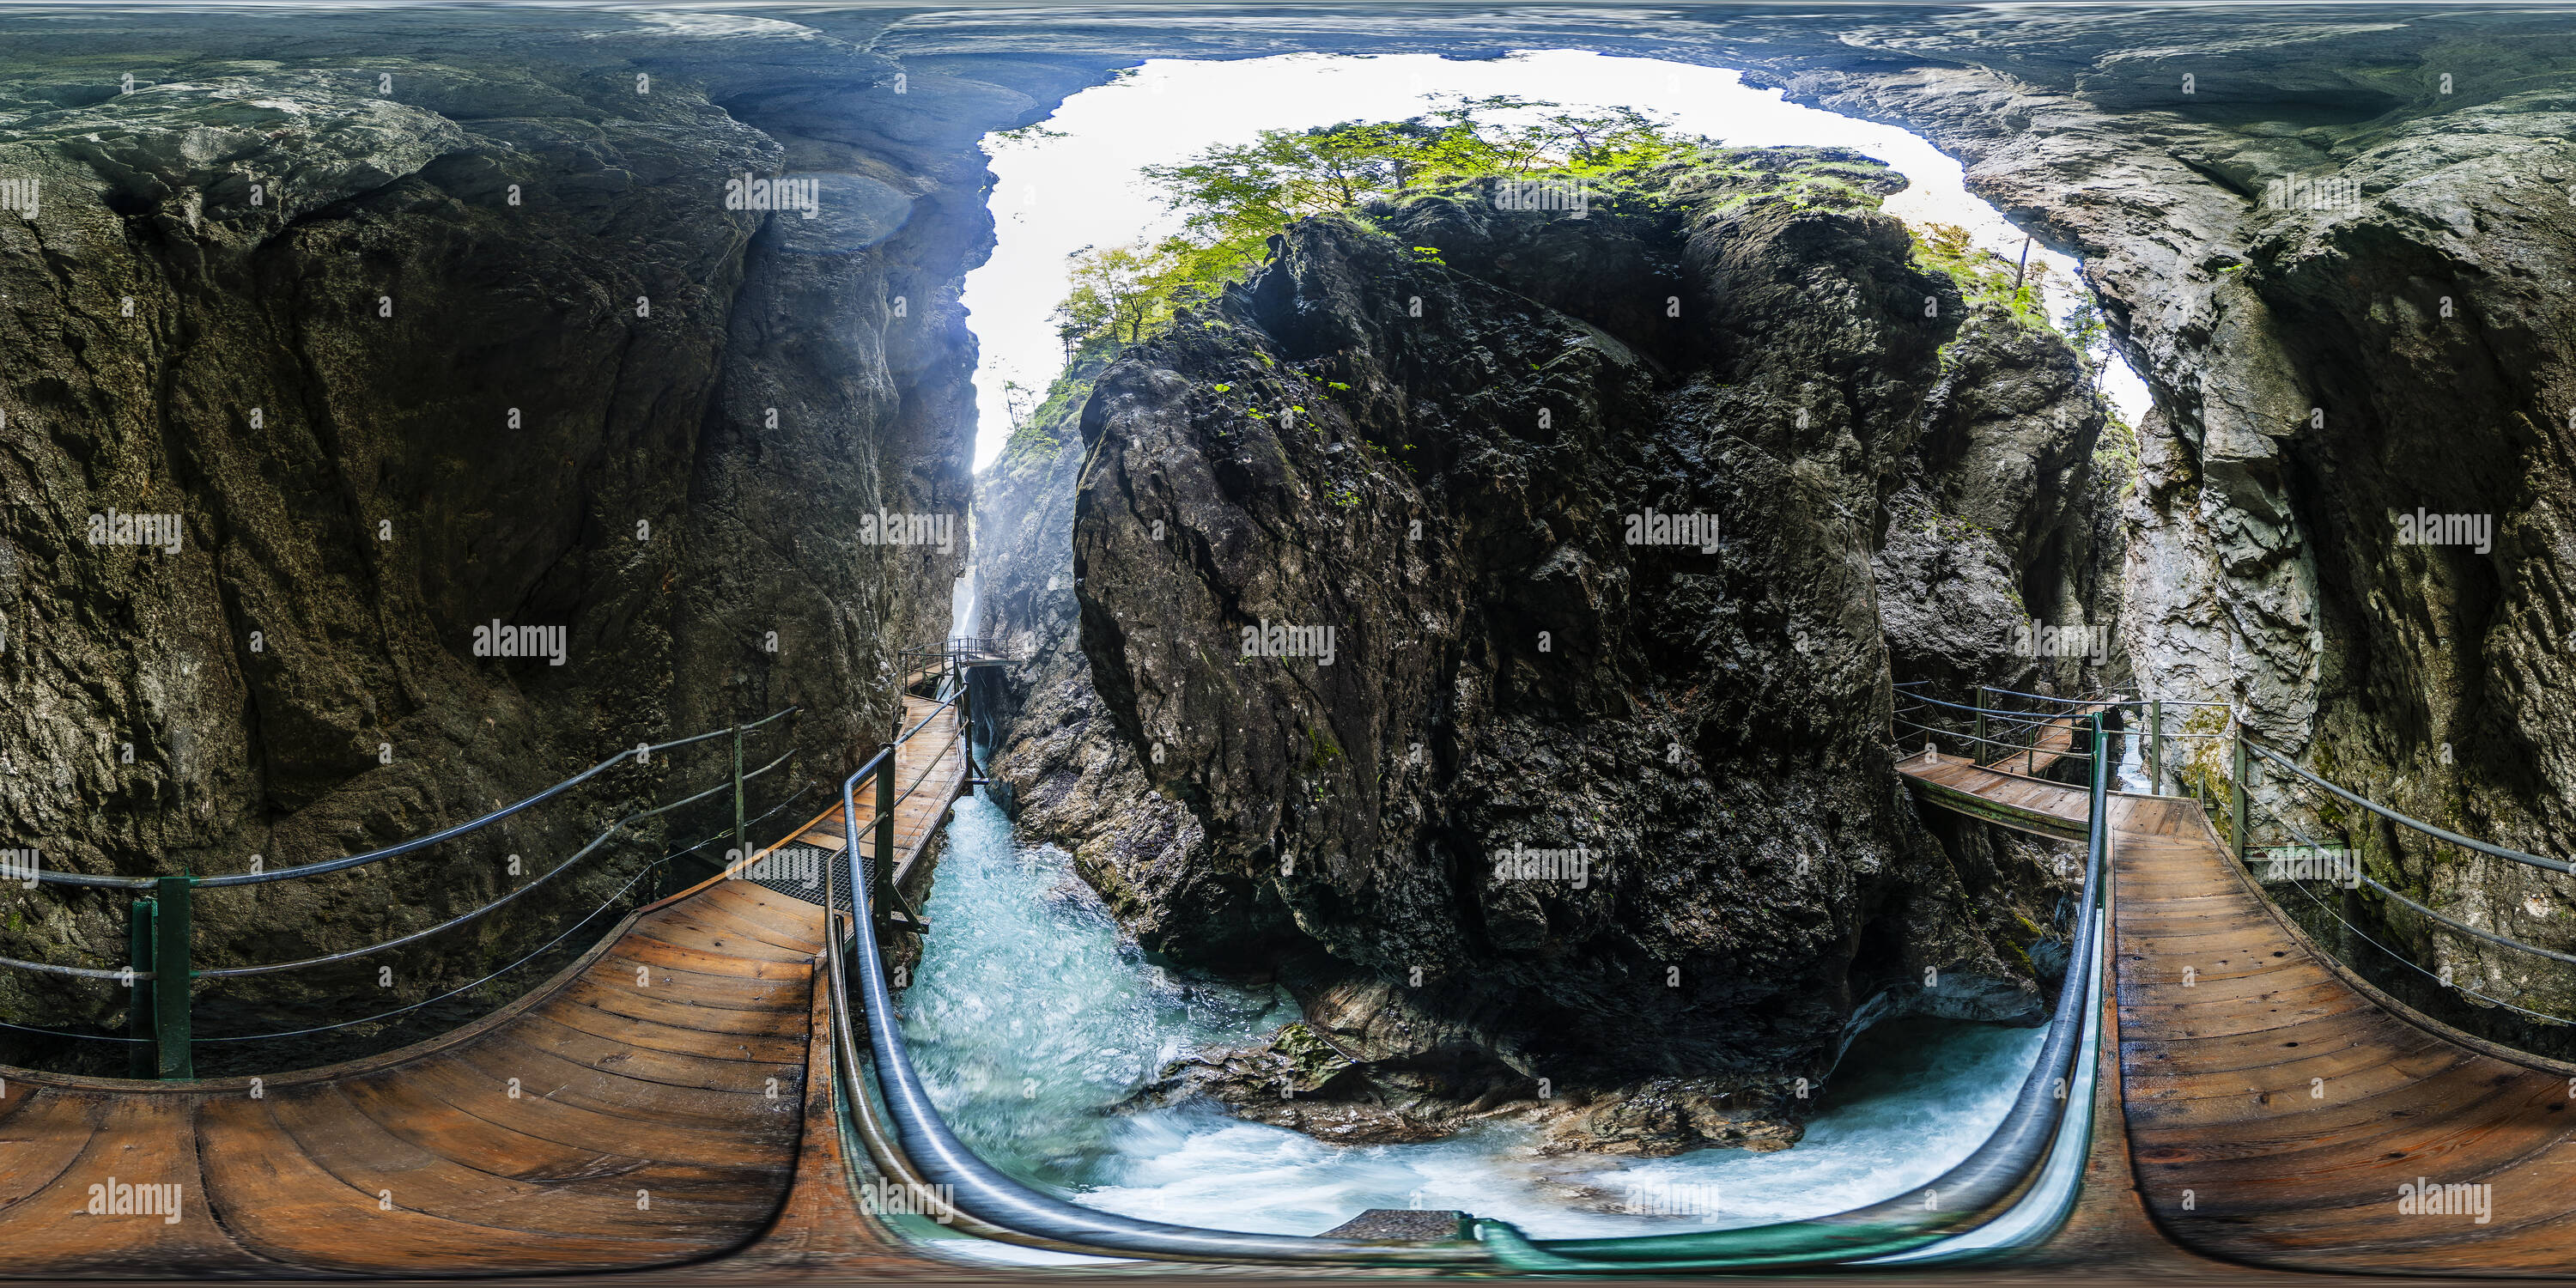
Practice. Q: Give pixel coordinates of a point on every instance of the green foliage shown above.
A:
(1233, 198)
(1118, 292)
(1983, 276)
(2115, 454)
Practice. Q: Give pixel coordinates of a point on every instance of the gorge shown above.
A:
(409, 326)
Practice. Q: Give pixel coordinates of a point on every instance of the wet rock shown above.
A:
(414, 344)
(1593, 831)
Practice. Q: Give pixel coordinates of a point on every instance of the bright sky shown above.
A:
(1057, 195)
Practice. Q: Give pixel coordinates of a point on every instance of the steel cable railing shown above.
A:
(477, 913)
(918, 1148)
(160, 933)
(2350, 865)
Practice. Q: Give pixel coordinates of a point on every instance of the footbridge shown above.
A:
(720, 1082)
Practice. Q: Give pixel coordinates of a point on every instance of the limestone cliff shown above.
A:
(409, 335)
(1428, 430)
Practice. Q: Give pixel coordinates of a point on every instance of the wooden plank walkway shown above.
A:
(644, 1108)
(663, 1100)
(930, 774)
(2272, 1104)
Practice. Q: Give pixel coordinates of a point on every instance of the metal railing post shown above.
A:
(966, 722)
(170, 977)
(2155, 746)
(1977, 753)
(884, 861)
(2237, 831)
(740, 845)
(139, 1060)
(2101, 771)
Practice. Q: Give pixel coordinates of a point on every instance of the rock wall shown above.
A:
(2325, 237)
(411, 331)
(1428, 431)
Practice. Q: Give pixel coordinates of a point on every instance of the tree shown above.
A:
(1118, 291)
(1018, 400)
(2090, 333)
(1984, 277)
(1233, 197)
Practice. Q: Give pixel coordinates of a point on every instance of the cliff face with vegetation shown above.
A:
(411, 334)
(2325, 237)
(1428, 430)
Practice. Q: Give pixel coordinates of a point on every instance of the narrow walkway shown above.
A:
(2272, 1104)
(663, 1100)
(929, 776)
(645, 1107)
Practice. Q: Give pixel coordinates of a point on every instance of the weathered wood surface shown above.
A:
(2272, 1106)
(662, 1101)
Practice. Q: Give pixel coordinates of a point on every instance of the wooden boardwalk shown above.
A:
(2275, 1109)
(663, 1100)
(930, 774)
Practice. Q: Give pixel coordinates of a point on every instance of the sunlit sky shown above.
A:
(1054, 196)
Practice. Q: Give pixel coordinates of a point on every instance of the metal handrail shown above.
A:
(124, 974)
(400, 848)
(270, 968)
(2461, 926)
(2428, 829)
(987, 1197)
(984, 1192)
(160, 929)
(2069, 754)
(405, 1008)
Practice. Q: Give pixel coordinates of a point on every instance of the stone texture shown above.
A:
(1426, 430)
(407, 356)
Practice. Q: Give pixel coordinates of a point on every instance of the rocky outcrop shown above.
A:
(406, 343)
(1059, 765)
(1565, 810)
(2325, 237)
(2000, 556)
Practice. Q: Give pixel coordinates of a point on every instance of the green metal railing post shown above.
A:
(966, 721)
(1977, 753)
(171, 973)
(740, 846)
(139, 1061)
(883, 863)
(2237, 832)
(2155, 746)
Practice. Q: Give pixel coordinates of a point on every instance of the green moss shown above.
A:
(1322, 751)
